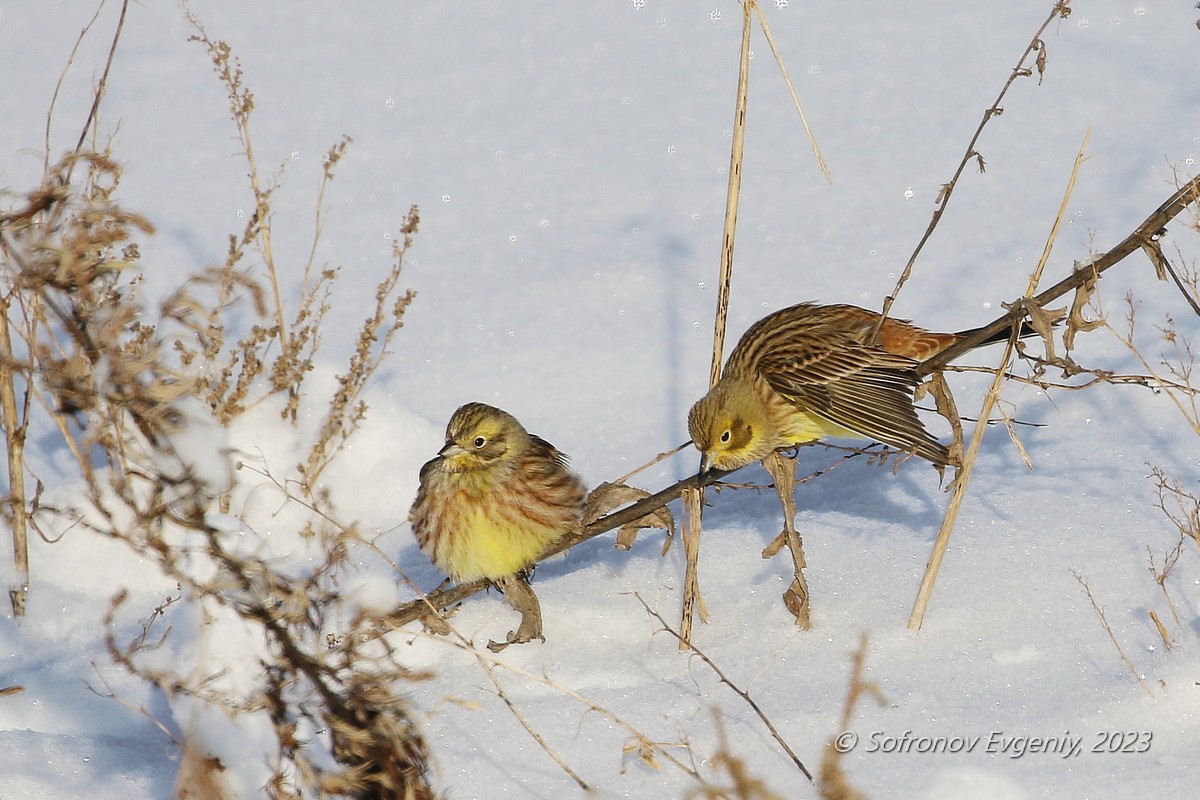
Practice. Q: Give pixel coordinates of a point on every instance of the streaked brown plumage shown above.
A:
(491, 502)
(810, 371)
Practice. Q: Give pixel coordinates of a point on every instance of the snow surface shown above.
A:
(570, 166)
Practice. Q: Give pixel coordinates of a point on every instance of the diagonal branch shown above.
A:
(740, 692)
(1147, 232)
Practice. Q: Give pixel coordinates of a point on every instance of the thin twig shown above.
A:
(1061, 9)
(1112, 637)
(533, 732)
(62, 76)
(812, 140)
(1150, 228)
(102, 84)
(742, 693)
(658, 458)
(489, 663)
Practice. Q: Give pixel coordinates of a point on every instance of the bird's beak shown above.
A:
(705, 464)
(450, 450)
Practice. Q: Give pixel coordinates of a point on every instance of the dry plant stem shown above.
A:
(963, 478)
(1147, 231)
(934, 565)
(812, 140)
(100, 86)
(742, 693)
(489, 666)
(14, 430)
(1036, 277)
(744, 786)
(62, 76)
(1169, 562)
(14, 439)
(1181, 395)
(692, 526)
(1112, 637)
(1152, 249)
(1061, 9)
(527, 725)
(733, 193)
(833, 783)
(1162, 630)
(242, 104)
(693, 502)
(658, 458)
(783, 472)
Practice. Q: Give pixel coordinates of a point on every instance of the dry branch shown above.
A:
(1150, 230)
(740, 692)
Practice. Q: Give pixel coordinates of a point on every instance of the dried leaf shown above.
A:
(1076, 322)
(947, 408)
(469, 705)
(644, 751)
(1155, 254)
(1040, 61)
(1041, 320)
(609, 496)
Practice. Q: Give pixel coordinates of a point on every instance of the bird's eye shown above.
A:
(480, 441)
(725, 437)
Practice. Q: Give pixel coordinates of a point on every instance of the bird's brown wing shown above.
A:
(864, 389)
(545, 453)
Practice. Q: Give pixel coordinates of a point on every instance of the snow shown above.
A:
(570, 166)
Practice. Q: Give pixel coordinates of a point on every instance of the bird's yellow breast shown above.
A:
(797, 426)
(489, 538)
(499, 547)
(801, 427)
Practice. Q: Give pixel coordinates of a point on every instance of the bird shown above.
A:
(811, 371)
(491, 502)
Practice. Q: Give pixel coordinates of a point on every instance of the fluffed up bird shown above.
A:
(491, 503)
(811, 371)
